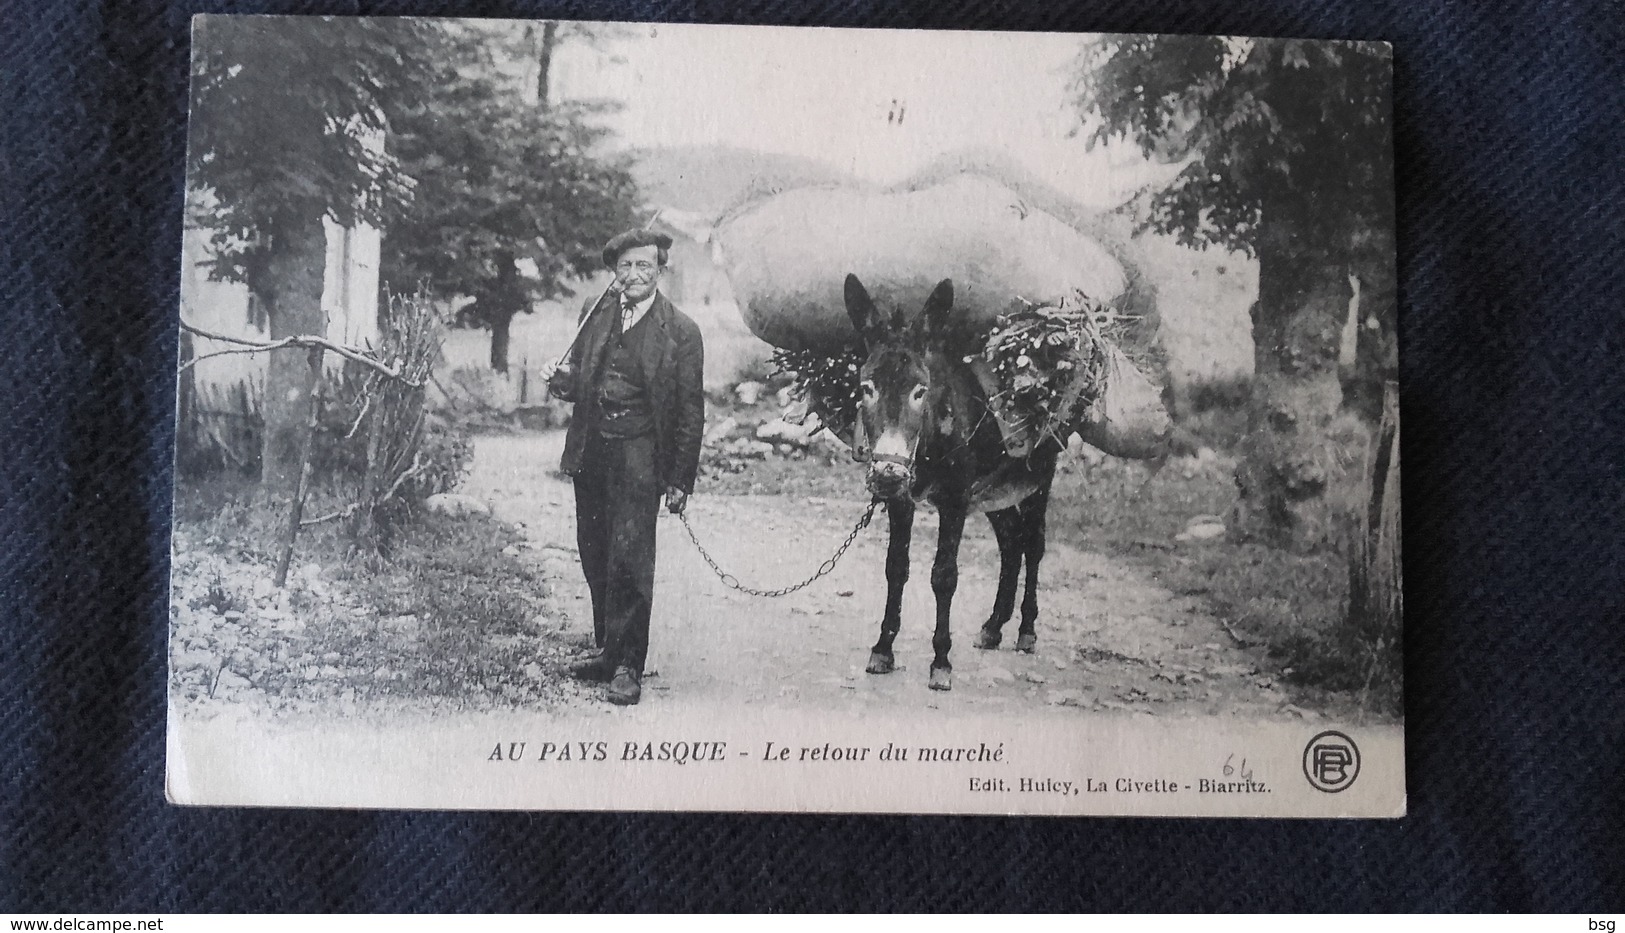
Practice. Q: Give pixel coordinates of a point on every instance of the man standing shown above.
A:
(635, 378)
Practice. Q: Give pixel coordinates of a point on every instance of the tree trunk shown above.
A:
(291, 293)
(1375, 592)
(544, 63)
(1376, 338)
(301, 486)
(501, 325)
(504, 298)
(1286, 463)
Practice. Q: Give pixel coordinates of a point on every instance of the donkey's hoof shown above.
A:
(942, 678)
(1027, 642)
(988, 638)
(881, 662)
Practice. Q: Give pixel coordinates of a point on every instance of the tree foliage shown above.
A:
(290, 123)
(290, 118)
(545, 38)
(1283, 133)
(496, 178)
(1285, 149)
(408, 125)
(421, 128)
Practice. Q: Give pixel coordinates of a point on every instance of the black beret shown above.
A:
(632, 239)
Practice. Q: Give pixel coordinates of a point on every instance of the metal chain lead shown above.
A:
(732, 582)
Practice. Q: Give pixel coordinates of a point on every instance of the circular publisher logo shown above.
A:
(1331, 761)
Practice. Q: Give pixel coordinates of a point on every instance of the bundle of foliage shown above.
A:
(392, 421)
(828, 384)
(1049, 361)
(376, 443)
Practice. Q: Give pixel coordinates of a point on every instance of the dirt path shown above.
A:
(1109, 637)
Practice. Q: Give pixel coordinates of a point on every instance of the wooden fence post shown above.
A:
(1375, 579)
(372, 477)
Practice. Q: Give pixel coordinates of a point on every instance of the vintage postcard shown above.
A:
(584, 415)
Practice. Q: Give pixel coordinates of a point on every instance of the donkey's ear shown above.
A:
(937, 308)
(861, 309)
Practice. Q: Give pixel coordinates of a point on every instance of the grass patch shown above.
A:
(1215, 410)
(453, 571)
(1293, 604)
(455, 618)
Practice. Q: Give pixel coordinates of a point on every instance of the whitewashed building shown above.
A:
(349, 301)
(219, 397)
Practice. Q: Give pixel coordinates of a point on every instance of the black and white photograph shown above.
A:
(588, 415)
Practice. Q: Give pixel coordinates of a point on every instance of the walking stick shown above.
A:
(582, 325)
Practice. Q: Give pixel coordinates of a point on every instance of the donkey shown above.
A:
(934, 438)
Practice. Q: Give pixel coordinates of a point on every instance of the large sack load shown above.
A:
(788, 255)
(1128, 418)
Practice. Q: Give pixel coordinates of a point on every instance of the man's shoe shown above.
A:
(597, 670)
(625, 689)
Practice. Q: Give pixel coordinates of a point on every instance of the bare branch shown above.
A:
(417, 467)
(345, 512)
(196, 359)
(366, 406)
(298, 340)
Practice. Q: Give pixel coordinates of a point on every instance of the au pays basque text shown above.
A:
(699, 752)
(710, 751)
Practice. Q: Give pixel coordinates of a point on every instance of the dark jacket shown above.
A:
(674, 361)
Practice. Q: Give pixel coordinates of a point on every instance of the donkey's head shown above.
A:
(897, 395)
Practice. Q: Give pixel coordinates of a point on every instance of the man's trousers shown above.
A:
(617, 501)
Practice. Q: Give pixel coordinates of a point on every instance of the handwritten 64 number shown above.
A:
(1237, 779)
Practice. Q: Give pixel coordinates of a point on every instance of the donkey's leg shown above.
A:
(900, 515)
(1006, 528)
(944, 580)
(1034, 518)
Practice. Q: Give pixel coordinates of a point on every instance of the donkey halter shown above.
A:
(869, 456)
(907, 462)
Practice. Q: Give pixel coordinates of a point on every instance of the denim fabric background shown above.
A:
(1511, 189)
